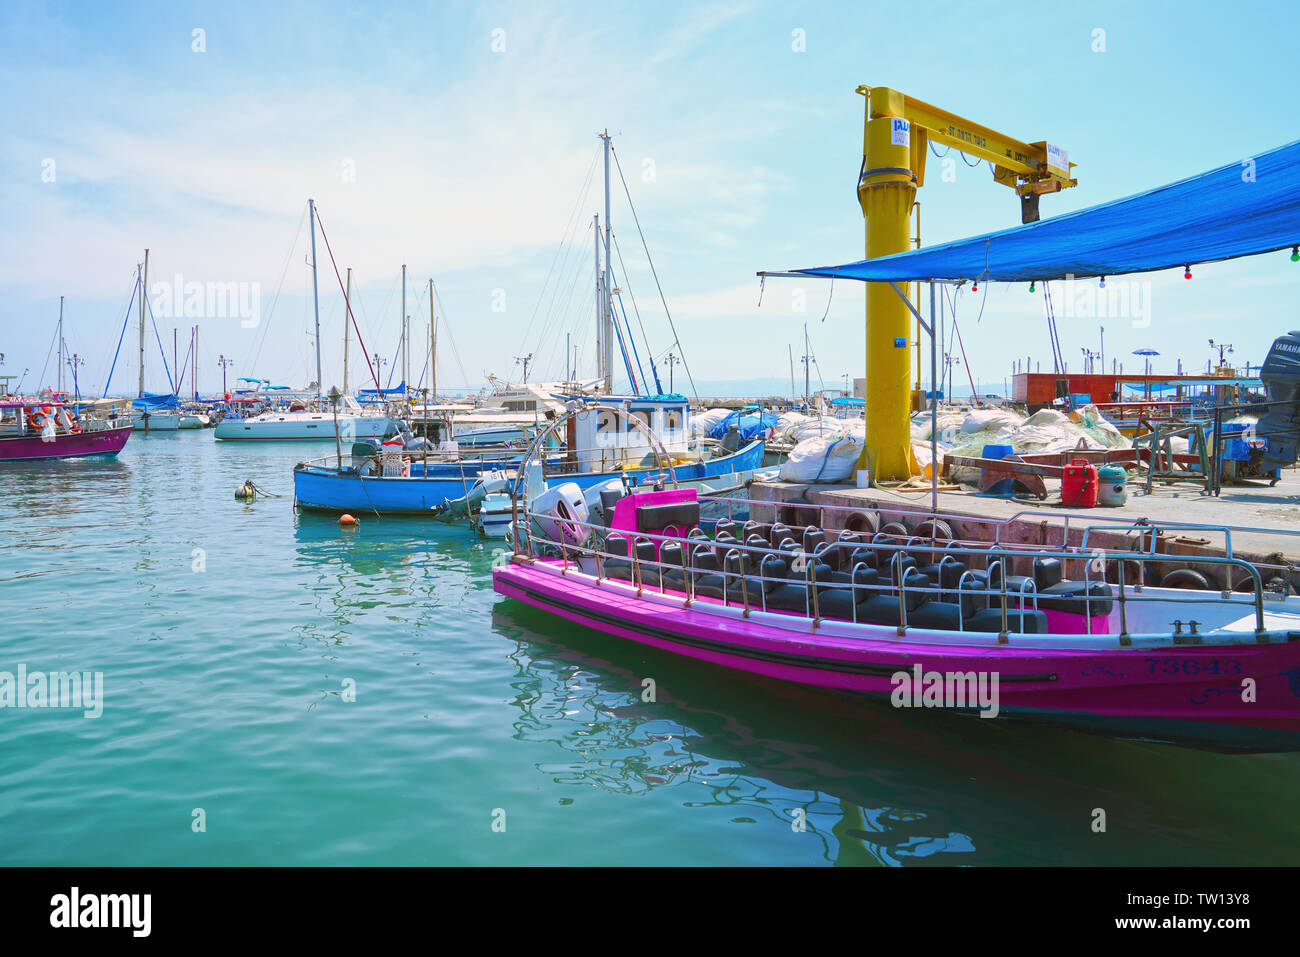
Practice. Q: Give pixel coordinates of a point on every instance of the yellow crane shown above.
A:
(896, 138)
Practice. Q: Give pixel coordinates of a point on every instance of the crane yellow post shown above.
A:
(896, 138)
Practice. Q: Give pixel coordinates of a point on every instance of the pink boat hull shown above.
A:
(64, 445)
(1186, 693)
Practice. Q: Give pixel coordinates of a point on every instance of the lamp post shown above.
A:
(224, 362)
(672, 360)
(75, 361)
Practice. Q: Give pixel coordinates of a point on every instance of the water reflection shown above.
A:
(879, 785)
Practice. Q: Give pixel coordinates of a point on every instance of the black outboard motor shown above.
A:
(1280, 425)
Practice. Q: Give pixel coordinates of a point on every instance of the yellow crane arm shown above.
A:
(1031, 169)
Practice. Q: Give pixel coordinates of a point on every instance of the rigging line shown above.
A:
(437, 298)
(574, 322)
(570, 228)
(161, 351)
(627, 280)
(572, 257)
(961, 344)
(53, 340)
(284, 271)
(829, 296)
(654, 272)
(135, 287)
(347, 300)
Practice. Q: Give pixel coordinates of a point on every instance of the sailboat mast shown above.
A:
(194, 352)
(433, 347)
(406, 336)
(144, 286)
(59, 387)
(608, 321)
(600, 306)
(806, 370)
(347, 307)
(315, 295)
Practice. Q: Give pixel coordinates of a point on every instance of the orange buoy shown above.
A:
(347, 520)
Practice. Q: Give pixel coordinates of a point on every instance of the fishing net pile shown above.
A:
(826, 449)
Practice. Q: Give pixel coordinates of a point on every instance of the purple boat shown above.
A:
(45, 429)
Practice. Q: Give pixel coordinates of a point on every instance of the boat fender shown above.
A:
(245, 491)
(348, 521)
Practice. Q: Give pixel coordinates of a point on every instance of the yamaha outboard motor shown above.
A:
(1280, 425)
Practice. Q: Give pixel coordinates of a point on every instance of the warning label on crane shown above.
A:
(1058, 160)
(900, 132)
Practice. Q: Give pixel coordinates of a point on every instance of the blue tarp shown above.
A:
(848, 400)
(155, 400)
(1247, 207)
(399, 389)
(751, 425)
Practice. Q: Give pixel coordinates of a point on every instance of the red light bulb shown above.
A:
(1187, 272)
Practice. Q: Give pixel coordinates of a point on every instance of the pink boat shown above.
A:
(47, 429)
(923, 619)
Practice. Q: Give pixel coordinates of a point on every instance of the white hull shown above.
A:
(306, 425)
(193, 421)
(156, 421)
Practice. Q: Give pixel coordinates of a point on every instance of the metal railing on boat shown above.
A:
(732, 569)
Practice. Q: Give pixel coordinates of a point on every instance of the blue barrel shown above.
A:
(1006, 486)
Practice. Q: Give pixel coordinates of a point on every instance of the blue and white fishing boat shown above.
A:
(601, 446)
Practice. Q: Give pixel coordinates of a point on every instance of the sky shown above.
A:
(460, 139)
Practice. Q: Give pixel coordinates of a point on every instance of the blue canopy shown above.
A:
(399, 389)
(750, 425)
(155, 400)
(1246, 207)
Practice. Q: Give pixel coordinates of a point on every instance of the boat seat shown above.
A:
(1069, 597)
(673, 570)
(890, 566)
(753, 528)
(715, 585)
(946, 573)
(813, 539)
(1047, 572)
(1018, 620)
(647, 553)
(1015, 583)
(724, 526)
(619, 566)
(654, 518)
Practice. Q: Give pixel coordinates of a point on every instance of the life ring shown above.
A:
(62, 418)
(37, 419)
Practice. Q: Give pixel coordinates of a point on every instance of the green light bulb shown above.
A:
(1295, 254)
(1031, 287)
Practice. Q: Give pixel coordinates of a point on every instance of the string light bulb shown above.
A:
(1031, 285)
(975, 285)
(1295, 254)
(1103, 282)
(1187, 272)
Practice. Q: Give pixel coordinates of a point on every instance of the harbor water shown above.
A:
(278, 691)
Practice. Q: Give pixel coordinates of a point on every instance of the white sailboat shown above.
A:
(317, 421)
(148, 415)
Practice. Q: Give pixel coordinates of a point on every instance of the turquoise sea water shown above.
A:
(224, 691)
